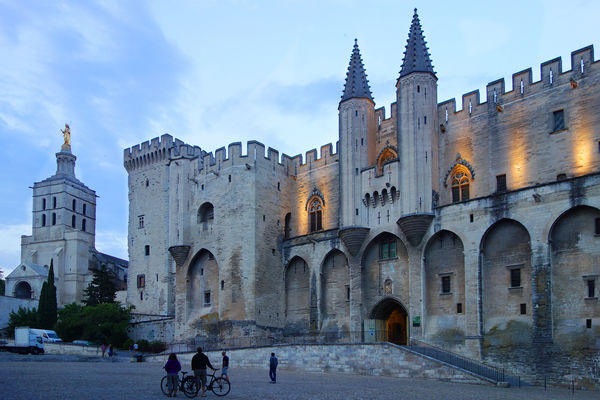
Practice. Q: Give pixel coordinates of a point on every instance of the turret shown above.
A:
(357, 139)
(416, 94)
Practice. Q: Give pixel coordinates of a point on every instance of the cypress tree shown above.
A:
(47, 308)
(101, 289)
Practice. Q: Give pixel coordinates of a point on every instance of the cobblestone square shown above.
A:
(52, 377)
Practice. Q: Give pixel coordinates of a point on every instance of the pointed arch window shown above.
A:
(206, 215)
(315, 214)
(387, 154)
(460, 187)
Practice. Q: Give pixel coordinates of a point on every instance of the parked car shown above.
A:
(47, 335)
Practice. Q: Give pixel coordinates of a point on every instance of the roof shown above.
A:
(357, 85)
(416, 55)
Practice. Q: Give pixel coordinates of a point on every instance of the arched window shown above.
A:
(83, 224)
(23, 290)
(53, 218)
(206, 215)
(73, 221)
(368, 199)
(393, 193)
(287, 228)
(43, 219)
(387, 154)
(84, 209)
(375, 198)
(54, 202)
(460, 186)
(74, 205)
(383, 197)
(315, 214)
(43, 204)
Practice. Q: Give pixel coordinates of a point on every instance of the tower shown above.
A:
(357, 136)
(416, 95)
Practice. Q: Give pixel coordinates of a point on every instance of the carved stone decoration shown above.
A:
(315, 192)
(179, 254)
(353, 237)
(387, 286)
(414, 226)
(462, 162)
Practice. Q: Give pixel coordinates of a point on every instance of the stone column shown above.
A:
(180, 254)
(541, 307)
(472, 308)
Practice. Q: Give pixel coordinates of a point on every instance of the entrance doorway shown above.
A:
(390, 316)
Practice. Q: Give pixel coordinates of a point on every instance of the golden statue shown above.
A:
(67, 136)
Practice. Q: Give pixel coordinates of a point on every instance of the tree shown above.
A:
(47, 308)
(103, 323)
(101, 289)
(23, 317)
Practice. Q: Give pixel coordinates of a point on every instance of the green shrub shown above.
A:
(156, 346)
(143, 345)
(127, 344)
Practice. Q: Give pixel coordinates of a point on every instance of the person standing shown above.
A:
(110, 350)
(199, 363)
(273, 368)
(103, 349)
(225, 366)
(172, 367)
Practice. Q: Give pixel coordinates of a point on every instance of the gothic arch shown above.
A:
(444, 279)
(297, 296)
(202, 285)
(460, 165)
(506, 276)
(335, 292)
(388, 153)
(390, 320)
(23, 290)
(206, 215)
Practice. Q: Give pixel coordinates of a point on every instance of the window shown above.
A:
(140, 221)
(141, 295)
(597, 226)
(147, 250)
(141, 281)
(206, 215)
(43, 219)
(53, 218)
(83, 225)
(287, 227)
(446, 284)
(222, 285)
(459, 308)
(84, 209)
(207, 298)
(387, 248)
(470, 218)
(591, 288)
(501, 183)
(315, 213)
(73, 222)
(43, 204)
(515, 277)
(588, 323)
(561, 177)
(559, 120)
(74, 205)
(347, 293)
(54, 202)
(460, 187)
(523, 308)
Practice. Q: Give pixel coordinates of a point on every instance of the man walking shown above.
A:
(273, 368)
(199, 363)
(225, 366)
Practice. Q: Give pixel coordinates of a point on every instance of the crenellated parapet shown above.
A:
(551, 75)
(158, 150)
(258, 156)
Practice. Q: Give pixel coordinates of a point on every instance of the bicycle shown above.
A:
(187, 385)
(218, 385)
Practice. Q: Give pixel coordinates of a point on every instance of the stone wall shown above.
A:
(363, 359)
(9, 304)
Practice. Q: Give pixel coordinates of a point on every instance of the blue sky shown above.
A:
(215, 72)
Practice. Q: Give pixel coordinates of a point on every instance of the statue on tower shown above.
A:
(67, 137)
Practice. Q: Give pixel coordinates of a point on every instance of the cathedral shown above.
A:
(474, 229)
(63, 234)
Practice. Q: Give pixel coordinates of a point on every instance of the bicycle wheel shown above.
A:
(164, 386)
(220, 386)
(190, 389)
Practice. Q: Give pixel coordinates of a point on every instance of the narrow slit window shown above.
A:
(459, 308)
(591, 288)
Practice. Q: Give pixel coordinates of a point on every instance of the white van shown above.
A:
(47, 335)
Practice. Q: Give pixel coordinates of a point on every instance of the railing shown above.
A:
(476, 367)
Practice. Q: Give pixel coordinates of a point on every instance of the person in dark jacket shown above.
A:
(225, 366)
(199, 363)
(273, 368)
(172, 367)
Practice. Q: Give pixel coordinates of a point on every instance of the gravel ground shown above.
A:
(59, 377)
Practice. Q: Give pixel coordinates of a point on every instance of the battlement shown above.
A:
(551, 75)
(255, 156)
(158, 150)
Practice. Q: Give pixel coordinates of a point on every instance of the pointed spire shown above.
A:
(416, 56)
(357, 84)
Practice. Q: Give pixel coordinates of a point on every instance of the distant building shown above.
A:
(64, 231)
(475, 230)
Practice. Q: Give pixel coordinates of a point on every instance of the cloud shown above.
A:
(113, 243)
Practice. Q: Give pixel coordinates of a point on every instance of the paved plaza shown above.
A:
(52, 377)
